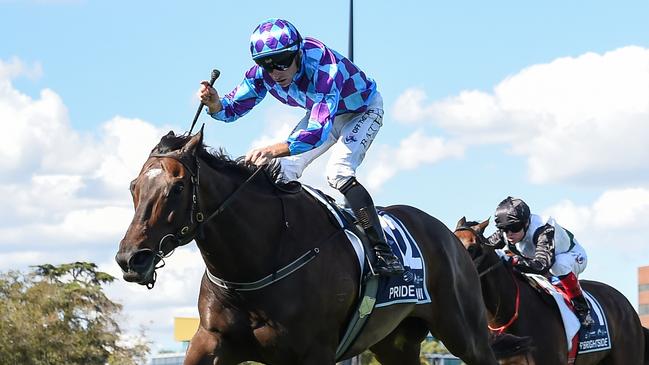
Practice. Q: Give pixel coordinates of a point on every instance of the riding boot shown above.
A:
(576, 296)
(384, 262)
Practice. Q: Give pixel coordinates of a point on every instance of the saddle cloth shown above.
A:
(597, 337)
(407, 288)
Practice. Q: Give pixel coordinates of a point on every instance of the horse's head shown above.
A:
(164, 218)
(471, 234)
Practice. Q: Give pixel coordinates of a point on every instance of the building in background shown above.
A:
(172, 358)
(643, 295)
(184, 329)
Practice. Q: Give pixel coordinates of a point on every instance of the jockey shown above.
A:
(344, 111)
(541, 246)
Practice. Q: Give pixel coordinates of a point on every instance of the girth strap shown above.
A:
(270, 278)
(360, 316)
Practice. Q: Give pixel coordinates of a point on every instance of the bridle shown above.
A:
(482, 241)
(192, 228)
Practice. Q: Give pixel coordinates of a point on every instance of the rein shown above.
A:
(501, 329)
(197, 218)
(182, 237)
(483, 242)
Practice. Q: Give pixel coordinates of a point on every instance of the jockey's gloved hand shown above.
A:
(496, 240)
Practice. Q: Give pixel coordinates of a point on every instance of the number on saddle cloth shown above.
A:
(407, 288)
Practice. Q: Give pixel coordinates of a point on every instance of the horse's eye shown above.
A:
(177, 188)
(131, 187)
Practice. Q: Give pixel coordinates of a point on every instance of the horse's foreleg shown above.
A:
(201, 348)
(206, 348)
(403, 345)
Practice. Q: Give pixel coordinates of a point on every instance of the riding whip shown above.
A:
(215, 75)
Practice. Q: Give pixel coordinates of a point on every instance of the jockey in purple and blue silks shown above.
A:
(344, 111)
(541, 246)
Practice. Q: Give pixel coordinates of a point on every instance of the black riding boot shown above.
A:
(384, 260)
(583, 311)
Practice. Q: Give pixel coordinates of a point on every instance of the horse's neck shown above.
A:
(499, 292)
(239, 242)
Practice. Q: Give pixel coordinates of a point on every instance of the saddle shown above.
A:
(377, 291)
(580, 341)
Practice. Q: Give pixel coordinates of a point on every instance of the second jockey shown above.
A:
(344, 112)
(541, 246)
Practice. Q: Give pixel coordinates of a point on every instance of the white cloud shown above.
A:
(619, 209)
(409, 106)
(65, 197)
(16, 67)
(414, 150)
(60, 185)
(575, 218)
(627, 208)
(573, 118)
(125, 145)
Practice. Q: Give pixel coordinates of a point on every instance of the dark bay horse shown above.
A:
(246, 228)
(537, 316)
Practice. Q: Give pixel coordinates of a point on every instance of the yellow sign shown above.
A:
(184, 328)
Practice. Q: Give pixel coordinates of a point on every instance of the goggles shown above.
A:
(279, 62)
(513, 228)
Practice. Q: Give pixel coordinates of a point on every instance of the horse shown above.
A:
(246, 226)
(510, 349)
(515, 307)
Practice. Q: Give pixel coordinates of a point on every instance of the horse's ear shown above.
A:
(195, 142)
(481, 227)
(461, 222)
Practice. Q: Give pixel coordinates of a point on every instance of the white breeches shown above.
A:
(574, 260)
(350, 137)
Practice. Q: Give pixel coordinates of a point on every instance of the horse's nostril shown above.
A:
(141, 260)
(122, 261)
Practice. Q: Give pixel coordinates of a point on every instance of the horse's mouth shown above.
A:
(141, 268)
(133, 276)
(137, 277)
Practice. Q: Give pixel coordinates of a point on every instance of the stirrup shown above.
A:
(387, 264)
(586, 320)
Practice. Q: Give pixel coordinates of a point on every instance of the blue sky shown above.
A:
(548, 101)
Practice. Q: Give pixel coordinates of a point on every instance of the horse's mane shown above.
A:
(215, 158)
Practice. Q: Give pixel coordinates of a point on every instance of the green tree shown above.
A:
(60, 315)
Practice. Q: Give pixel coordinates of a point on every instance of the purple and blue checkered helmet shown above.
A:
(274, 36)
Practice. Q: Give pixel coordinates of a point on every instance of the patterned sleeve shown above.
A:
(243, 98)
(544, 255)
(496, 240)
(328, 83)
